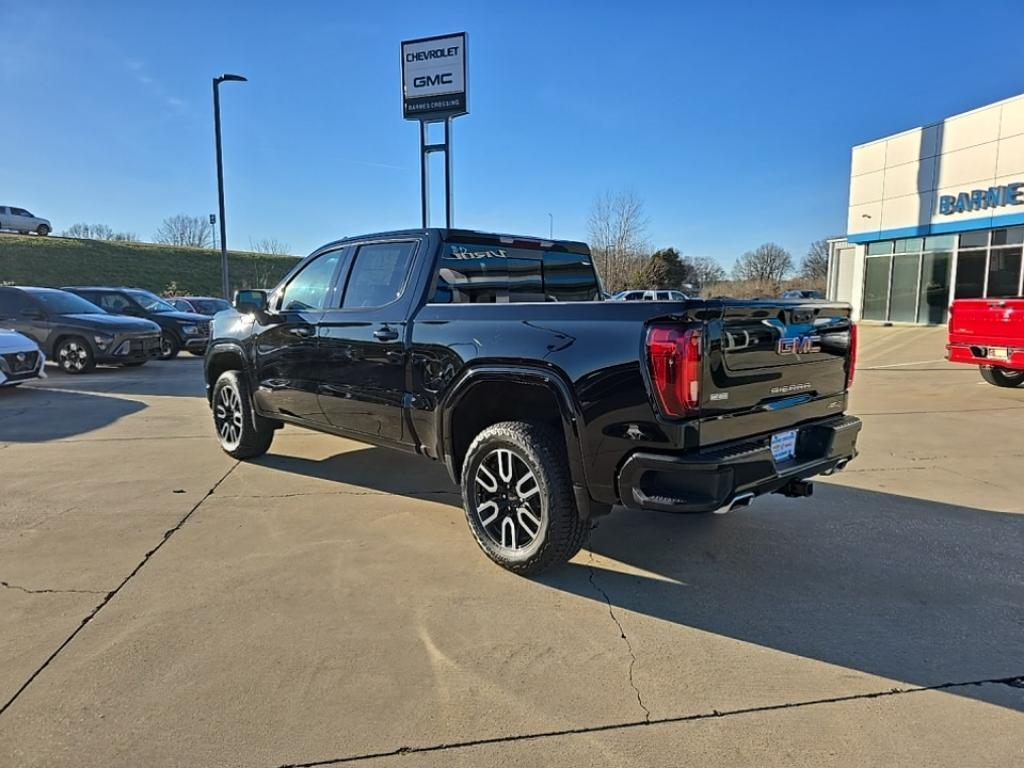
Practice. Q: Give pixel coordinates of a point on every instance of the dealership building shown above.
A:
(936, 213)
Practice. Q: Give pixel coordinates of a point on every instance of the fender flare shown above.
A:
(571, 418)
(221, 347)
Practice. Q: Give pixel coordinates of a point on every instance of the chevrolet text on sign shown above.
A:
(434, 77)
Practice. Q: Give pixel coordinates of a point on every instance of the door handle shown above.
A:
(302, 331)
(385, 334)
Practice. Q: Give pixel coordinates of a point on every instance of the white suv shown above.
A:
(22, 221)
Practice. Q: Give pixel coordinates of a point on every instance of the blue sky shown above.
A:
(732, 120)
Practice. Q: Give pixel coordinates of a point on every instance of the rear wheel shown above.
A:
(518, 497)
(169, 346)
(243, 433)
(74, 355)
(1003, 377)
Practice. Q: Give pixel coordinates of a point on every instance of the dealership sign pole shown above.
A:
(434, 90)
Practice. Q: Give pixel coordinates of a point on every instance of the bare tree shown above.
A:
(89, 231)
(270, 246)
(815, 263)
(184, 230)
(618, 237)
(124, 237)
(768, 263)
(263, 252)
(707, 271)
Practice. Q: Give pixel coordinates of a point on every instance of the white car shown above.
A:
(20, 359)
(22, 221)
(658, 295)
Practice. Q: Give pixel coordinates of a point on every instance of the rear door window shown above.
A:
(378, 274)
(12, 302)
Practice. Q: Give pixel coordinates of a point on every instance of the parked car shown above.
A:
(203, 305)
(989, 333)
(489, 353)
(658, 295)
(803, 293)
(20, 220)
(21, 359)
(74, 333)
(179, 330)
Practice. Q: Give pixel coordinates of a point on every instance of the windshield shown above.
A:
(151, 302)
(64, 303)
(209, 306)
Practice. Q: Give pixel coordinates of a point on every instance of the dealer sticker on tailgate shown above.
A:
(784, 445)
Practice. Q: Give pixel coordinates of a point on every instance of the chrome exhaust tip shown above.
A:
(738, 502)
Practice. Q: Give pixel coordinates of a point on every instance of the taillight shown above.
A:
(674, 357)
(852, 363)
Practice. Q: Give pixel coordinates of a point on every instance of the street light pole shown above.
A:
(551, 227)
(220, 179)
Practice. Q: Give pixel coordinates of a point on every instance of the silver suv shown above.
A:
(22, 221)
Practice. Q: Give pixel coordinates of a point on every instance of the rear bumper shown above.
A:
(980, 353)
(715, 479)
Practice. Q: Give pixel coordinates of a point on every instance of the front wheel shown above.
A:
(1003, 377)
(169, 346)
(518, 497)
(243, 433)
(74, 355)
(43, 230)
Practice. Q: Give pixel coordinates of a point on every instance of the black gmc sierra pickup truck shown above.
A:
(496, 355)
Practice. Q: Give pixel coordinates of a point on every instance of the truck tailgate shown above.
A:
(770, 365)
(987, 320)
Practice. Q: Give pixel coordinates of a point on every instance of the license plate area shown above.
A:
(999, 353)
(784, 446)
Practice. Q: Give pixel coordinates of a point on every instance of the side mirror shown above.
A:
(250, 301)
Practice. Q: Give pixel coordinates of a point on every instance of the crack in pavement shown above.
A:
(1015, 682)
(622, 633)
(28, 591)
(113, 593)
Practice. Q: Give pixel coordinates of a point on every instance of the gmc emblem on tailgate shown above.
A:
(799, 345)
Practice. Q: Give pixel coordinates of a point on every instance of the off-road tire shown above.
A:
(1002, 377)
(250, 434)
(542, 450)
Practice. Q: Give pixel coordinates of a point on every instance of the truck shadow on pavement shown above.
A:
(912, 590)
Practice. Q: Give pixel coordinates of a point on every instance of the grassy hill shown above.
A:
(56, 261)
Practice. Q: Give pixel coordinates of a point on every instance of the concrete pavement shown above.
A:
(326, 604)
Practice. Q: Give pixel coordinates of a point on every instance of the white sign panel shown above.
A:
(434, 77)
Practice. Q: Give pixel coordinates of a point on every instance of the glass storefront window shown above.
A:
(876, 287)
(974, 239)
(934, 288)
(912, 245)
(970, 275)
(884, 248)
(903, 298)
(940, 243)
(1004, 272)
(1013, 236)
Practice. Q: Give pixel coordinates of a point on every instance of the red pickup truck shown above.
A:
(989, 333)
